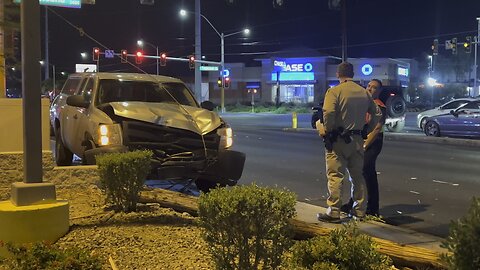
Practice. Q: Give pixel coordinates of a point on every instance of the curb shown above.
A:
(410, 138)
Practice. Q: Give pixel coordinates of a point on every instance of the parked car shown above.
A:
(464, 121)
(98, 113)
(445, 108)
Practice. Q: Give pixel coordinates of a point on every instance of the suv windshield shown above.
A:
(118, 91)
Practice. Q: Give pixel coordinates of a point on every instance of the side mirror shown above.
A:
(77, 101)
(207, 105)
(452, 112)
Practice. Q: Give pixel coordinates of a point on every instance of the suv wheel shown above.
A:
(63, 156)
(205, 185)
(396, 106)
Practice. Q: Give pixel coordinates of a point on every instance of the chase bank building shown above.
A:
(304, 79)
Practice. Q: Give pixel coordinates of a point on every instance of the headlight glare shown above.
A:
(109, 135)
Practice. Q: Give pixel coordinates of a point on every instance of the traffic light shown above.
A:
(191, 61)
(96, 54)
(227, 82)
(219, 82)
(278, 3)
(163, 59)
(123, 56)
(454, 45)
(468, 44)
(139, 57)
(435, 47)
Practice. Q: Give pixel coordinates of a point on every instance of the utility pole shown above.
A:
(47, 60)
(3, 71)
(198, 51)
(477, 39)
(344, 30)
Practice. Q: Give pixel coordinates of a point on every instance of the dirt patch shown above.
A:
(152, 238)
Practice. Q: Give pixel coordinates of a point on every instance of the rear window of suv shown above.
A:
(110, 90)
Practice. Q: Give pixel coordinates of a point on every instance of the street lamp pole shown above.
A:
(140, 43)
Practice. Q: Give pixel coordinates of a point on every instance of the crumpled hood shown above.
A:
(198, 120)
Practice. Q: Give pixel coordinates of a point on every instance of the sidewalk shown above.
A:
(308, 213)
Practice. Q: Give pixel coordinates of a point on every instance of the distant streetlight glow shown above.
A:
(431, 82)
(183, 12)
(140, 42)
(42, 62)
(246, 31)
(83, 54)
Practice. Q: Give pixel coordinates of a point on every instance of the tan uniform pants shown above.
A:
(345, 156)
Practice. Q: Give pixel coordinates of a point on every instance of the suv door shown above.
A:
(68, 121)
(81, 118)
(58, 104)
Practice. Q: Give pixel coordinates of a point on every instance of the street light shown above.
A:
(140, 43)
(83, 54)
(222, 36)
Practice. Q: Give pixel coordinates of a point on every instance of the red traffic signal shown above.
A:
(123, 56)
(163, 59)
(139, 57)
(226, 82)
(191, 61)
(96, 54)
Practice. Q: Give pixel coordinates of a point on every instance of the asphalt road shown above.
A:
(422, 186)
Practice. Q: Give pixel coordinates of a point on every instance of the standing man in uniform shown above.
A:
(372, 146)
(344, 110)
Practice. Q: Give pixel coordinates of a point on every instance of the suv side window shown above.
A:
(87, 90)
(71, 86)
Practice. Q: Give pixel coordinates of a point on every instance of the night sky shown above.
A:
(376, 28)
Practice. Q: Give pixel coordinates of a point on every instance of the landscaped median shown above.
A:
(136, 239)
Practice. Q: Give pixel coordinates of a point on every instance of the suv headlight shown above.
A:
(109, 134)
(226, 137)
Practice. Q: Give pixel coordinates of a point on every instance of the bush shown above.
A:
(246, 227)
(122, 176)
(47, 257)
(464, 240)
(344, 248)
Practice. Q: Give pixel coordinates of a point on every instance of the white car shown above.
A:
(445, 108)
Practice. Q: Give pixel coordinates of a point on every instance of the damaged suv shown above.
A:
(98, 113)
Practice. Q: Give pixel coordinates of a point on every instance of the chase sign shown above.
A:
(283, 66)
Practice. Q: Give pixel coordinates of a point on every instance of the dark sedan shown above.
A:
(461, 122)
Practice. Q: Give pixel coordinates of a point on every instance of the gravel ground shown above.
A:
(151, 238)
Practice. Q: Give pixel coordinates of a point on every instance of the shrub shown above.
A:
(344, 248)
(122, 176)
(246, 227)
(464, 240)
(47, 257)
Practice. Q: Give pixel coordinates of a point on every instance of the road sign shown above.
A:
(59, 3)
(109, 54)
(85, 68)
(208, 68)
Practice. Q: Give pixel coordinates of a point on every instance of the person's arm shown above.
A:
(376, 130)
(329, 106)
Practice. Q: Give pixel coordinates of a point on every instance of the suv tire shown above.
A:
(396, 106)
(63, 156)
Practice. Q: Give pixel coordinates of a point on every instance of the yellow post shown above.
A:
(294, 119)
